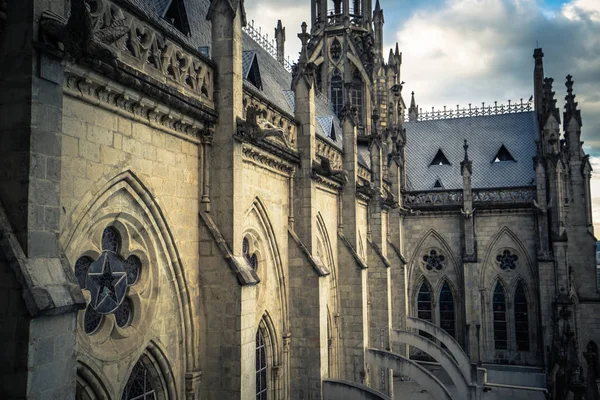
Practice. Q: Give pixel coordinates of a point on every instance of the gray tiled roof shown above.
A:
(485, 135)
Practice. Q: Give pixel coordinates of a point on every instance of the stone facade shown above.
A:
(180, 220)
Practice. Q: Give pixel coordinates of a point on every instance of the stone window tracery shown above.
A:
(521, 319)
(336, 93)
(108, 279)
(446, 304)
(261, 367)
(507, 260)
(499, 310)
(434, 260)
(139, 385)
(335, 50)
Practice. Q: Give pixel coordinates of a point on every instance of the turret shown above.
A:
(538, 80)
(280, 41)
(413, 110)
(572, 122)
(378, 21)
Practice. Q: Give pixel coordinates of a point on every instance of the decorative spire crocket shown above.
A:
(571, 110)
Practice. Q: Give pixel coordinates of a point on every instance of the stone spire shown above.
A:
(280, 41)
(571, 110)
(413, 110)
(549, 103)
(466, 163)
(303, 69)
(538, 80)
(378, 21)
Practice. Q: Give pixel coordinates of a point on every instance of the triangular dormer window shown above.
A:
(440, 159)
(176, 15)
(438, 184)
(333, 136)
(503, 155)
(254, 74)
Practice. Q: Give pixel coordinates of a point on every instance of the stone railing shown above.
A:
(364, 173)
(473, 111)
(510, 195)
(326, 150)
(427, 199)
(522, 195)
(146, 49)
(267, 44)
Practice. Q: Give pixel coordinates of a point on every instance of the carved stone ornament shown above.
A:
(256, 128)
(324, 169)
(79, 37)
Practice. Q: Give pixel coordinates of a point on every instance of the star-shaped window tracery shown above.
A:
(108, 279)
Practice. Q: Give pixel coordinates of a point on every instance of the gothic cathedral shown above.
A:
(185, 214)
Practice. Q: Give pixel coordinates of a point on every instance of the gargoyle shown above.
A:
(405, 211)
(467, 213)
(80, 37)
(256, 128)
(540, 208)
(324, 169)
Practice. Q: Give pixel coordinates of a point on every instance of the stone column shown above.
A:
(40, 295)
(308, 281)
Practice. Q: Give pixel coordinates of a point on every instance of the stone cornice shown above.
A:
(265, 159)
(326, 183)
(96, 89)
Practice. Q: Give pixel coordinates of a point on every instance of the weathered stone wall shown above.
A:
(144, 181)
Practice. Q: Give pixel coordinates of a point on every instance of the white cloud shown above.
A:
(578, 9)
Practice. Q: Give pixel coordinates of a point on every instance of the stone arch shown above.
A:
(433, 237)
(258, 223)
(505, 238)
(273, 347)
(90, 383)
(160, 373)
(105, 203)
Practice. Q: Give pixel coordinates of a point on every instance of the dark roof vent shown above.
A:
(252, 73)
(176, 15)
(438, 184)
(503, 155)
(440, 159)
(333, 136)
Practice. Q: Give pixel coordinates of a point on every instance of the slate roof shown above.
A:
(485, 135)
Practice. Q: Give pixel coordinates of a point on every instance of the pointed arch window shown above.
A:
(336, 94)
(424, 310)
(261, 367)
(356, 95)
(446, 304)
(335, 50)
(140, 385)
(499, 307)
(521, 319)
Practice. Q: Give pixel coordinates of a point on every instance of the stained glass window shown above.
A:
(499, 304)
(434, 261)
(521, 319)
(336, 96)
(107, 279)
(446, 304)
(507, 260)
(261, 367)
(424, 307)
(139, 385)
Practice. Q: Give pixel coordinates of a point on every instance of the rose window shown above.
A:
(507, 260)
(434, 261)
(252, 259)
(108, 279)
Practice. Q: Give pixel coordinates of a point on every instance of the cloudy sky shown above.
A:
(473, 51)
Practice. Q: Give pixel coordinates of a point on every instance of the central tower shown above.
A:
(347, 48)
